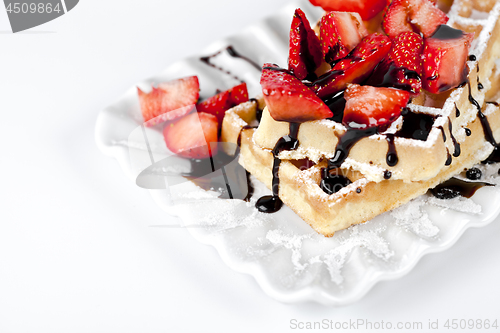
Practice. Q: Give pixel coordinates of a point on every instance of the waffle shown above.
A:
(422, 164)
(447, 115)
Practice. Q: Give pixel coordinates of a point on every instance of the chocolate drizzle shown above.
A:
(454, 187)
(272, 203)
(457, 111)
(392, 157)
(488, 134)
(415, 125)
(233, 53)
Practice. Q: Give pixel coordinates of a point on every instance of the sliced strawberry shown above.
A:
(191, 135)
(406, 54)
(355, 68)
(444, 59)
(368, 106)
(237, 95)
(170, 100)
(305, 50)
(340, 33)
(288, 99)
(216, 105)
(426, 16)
(412, 15)
(366, 8)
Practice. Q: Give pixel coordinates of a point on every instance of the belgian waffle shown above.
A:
(446, 115)
(461, 117)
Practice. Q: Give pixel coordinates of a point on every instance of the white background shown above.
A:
(78, 252)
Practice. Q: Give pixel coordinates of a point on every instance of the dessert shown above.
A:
(333, 174)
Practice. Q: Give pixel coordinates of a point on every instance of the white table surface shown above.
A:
(78, 252)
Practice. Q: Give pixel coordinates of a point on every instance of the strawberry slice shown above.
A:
(340, 33)
(288, 99)
(355, 68)
(412, 15)
(366, 8)
(368, 106)
(237, 95)
(305, 50)
(170, 100)
(191, 135)
(406, 54)
(444, 59)
(216, 105)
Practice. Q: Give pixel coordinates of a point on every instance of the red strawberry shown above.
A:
(406, 54)
(170, 100)
(444, 59)
(237, 95)
(412, 15)
(368, 106)
(288, 99)
(355, 68)
(340, 32)
(366, 8)
(305, 50)
(191, 135)
(216, 105)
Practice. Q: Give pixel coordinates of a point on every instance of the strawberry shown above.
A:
(170, 100)
(191, 135)
(288, 99)
(444, 59)
(216, 105)
(412, 15)
(237, 95)
(366, 8)
(368, 106)
(305, 50)
(406, 54)
(219, 103)
(340, 32)
(355, 68)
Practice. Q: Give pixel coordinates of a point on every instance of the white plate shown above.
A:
(288, 259)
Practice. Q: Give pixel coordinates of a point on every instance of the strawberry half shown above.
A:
(170, 100)
(305, 50)
(288, 99)
(340, 33)
(412, 15)
(368, 106)
(355, 68)
(406, 54)
(366, 8)
(444, 59)
(191, 135)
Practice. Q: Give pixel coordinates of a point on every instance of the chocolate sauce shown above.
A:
(488, 134)
(448, 158)
(250, 187)
(272, 203)
(472, 57)
(238, 141)
(494, 103)
(233, 53)
(468, 132)
(473, 174)
(258, 111)
(457, 111)
(387, 174)
(336, 103)
(384, 76)
(454, 187)
(331, 181)
(456, 145)
(494, 157)
(442, 132)
(415, 125)
(346, 142)
(445, 32)
(392, 157)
